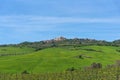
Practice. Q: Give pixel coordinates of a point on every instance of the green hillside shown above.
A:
(55, 59)
(10, 51)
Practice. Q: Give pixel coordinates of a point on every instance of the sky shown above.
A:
(36, 20)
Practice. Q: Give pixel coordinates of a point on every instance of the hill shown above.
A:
(62, 41)
(57, 55)
(57, 59)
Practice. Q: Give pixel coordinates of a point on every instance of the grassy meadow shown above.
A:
(57, 59)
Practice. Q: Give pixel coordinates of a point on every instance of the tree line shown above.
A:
(65, 42)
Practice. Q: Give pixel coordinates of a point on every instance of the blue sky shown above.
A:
(35, 20)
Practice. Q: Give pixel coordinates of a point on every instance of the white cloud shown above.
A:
(44, 23)
(29, 20)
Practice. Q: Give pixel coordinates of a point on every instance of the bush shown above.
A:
(71, 69)
(96, 65)
(25, 72)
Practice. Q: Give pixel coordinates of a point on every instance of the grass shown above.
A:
(55, 59)
(15, 50)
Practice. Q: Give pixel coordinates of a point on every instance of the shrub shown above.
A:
(25, 72)
(71, 69)
(96, 65)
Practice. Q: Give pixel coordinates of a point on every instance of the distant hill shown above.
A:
(62, 41)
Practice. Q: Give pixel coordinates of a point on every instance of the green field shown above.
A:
(4, 51)
(57, 59)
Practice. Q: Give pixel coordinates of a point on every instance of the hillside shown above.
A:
(56, 59)
(62, 41)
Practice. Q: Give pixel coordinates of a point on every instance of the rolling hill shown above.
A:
(55, 59)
